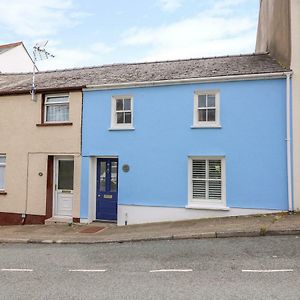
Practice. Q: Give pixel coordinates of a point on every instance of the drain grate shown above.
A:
(92, 229)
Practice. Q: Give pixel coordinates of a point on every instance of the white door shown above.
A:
(64, 174)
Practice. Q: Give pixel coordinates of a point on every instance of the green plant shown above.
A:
(263, 230)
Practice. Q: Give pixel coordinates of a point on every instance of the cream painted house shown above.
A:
(40, 149)
(279, 34)
(15, 58)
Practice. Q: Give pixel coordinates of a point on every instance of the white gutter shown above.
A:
(288, 140)
(185, 81)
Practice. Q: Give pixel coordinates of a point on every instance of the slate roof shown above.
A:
(141, 72)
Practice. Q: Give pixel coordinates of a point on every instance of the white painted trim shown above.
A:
(4, 167)
(121, 128)
(288, 141)
(114, 125)
(55, 103)
(207, 127)
(186, 81)
(207, 124)
(138, 214)
(85, 221)
(207, 207)
(207, 203)
(55, 185)
(92, 189)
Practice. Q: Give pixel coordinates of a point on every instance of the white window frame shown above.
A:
(207, 124)
(3, 165)
(207, 203)
(56, 103)
(114, 125)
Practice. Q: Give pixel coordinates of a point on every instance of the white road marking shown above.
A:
(268, 271)
(171, 270)
(83, 270)
(16, 270)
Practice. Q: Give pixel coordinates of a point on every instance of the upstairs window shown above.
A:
(2, 171)
(56, 108)
(122, 112)
(207, 109)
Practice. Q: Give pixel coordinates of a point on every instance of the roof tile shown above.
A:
(141, 72)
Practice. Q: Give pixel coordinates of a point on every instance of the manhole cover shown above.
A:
(92, 229)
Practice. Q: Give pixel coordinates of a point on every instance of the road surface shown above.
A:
(233, 268)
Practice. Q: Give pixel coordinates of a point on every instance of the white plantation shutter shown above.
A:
(199, 176)
(215, 180)
(207, 179)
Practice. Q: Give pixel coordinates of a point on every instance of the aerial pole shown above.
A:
(39, 54)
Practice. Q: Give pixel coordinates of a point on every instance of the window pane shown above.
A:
(119, 104)
(199, 168)
(113, 176)
(120, 117)
(65, 174)
(2, 159)
(202, 101)
(127, 104)
(56, 113)
(102, 176)
(57, 99)
(2, 169)
(199, 189)
(215, 190)
(211, 115)
(211, 100)
(214, 167)
(128, 117)
(202, 115)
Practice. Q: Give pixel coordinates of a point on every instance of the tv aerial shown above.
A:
(39, 54)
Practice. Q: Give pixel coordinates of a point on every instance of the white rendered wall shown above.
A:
(15, 60)
(148, 214)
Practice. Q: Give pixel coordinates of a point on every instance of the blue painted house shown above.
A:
(185, 139)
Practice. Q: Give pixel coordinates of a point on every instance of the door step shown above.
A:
(59, 220)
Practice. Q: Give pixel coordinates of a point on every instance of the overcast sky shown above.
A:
(95, 32)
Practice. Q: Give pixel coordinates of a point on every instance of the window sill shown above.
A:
(205, 126)
(3, 193)
(207, 207)
(55, 124)
(120, 128)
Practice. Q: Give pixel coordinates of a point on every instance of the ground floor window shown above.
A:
(207, 181)
(2, 171)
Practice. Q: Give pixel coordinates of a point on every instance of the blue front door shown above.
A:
(107, 189)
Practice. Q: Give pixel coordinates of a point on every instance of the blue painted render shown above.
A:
(252, 139)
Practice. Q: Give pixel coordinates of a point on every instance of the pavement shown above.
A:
(242, 226)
